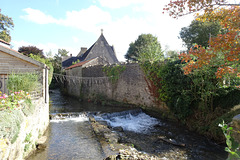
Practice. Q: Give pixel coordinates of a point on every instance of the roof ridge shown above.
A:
(21, 56)
(1, 40)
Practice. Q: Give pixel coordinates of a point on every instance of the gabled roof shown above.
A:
(100, 48)
(21, 56)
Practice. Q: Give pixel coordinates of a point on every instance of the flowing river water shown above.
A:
(72, 137)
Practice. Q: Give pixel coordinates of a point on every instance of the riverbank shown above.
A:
(71, 134)
(161, 141)
(206, 124)
(112, 144)
(165, 90)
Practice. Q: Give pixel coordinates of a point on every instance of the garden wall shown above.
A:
(31, 124)
(131, 87)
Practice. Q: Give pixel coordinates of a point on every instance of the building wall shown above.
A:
(94, 71)
(131, 86)
(78, 71)
(74, 71)
(9, 64)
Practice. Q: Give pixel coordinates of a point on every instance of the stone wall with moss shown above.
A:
(130, 86)
(21, 128)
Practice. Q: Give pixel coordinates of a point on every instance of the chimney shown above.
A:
(82, 51)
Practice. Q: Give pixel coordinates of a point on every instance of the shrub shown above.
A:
(198, 99)
(10, 124)
(25, 81)
(47, 62)
(113, 72)
(227, 97)
(232, 146)
(171, 85)
(10, 113)
(214, 131)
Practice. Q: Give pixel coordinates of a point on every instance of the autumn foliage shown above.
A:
(223, 51)
(179, 8)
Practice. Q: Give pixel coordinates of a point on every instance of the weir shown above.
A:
(131, 120)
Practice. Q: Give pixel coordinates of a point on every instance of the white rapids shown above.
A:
(63, 117)
(136, 122)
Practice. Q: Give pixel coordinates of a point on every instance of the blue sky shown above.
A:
(72, 24)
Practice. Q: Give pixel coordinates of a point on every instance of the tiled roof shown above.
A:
(2, 41)
(79, 64)
(69, 61)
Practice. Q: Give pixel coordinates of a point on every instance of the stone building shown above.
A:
(100, 50)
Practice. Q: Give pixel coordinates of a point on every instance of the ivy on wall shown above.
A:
(113, 72)
(168, 83)
(198, 100)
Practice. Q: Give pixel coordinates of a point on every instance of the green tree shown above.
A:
(145, 48)
(27, 50)
(62, 52)
(57, 60)
(199, 32)
(172, 55)
(47, 62)
(6, 23)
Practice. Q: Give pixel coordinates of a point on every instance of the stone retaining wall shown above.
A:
(131, 87)
(31, 129)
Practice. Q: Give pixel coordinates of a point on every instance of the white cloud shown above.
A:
(38, 16)
(86, 19)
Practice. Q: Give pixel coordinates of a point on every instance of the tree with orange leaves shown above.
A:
(179, 8)
(223, 51)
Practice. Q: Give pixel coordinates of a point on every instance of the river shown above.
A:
(72, 137)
